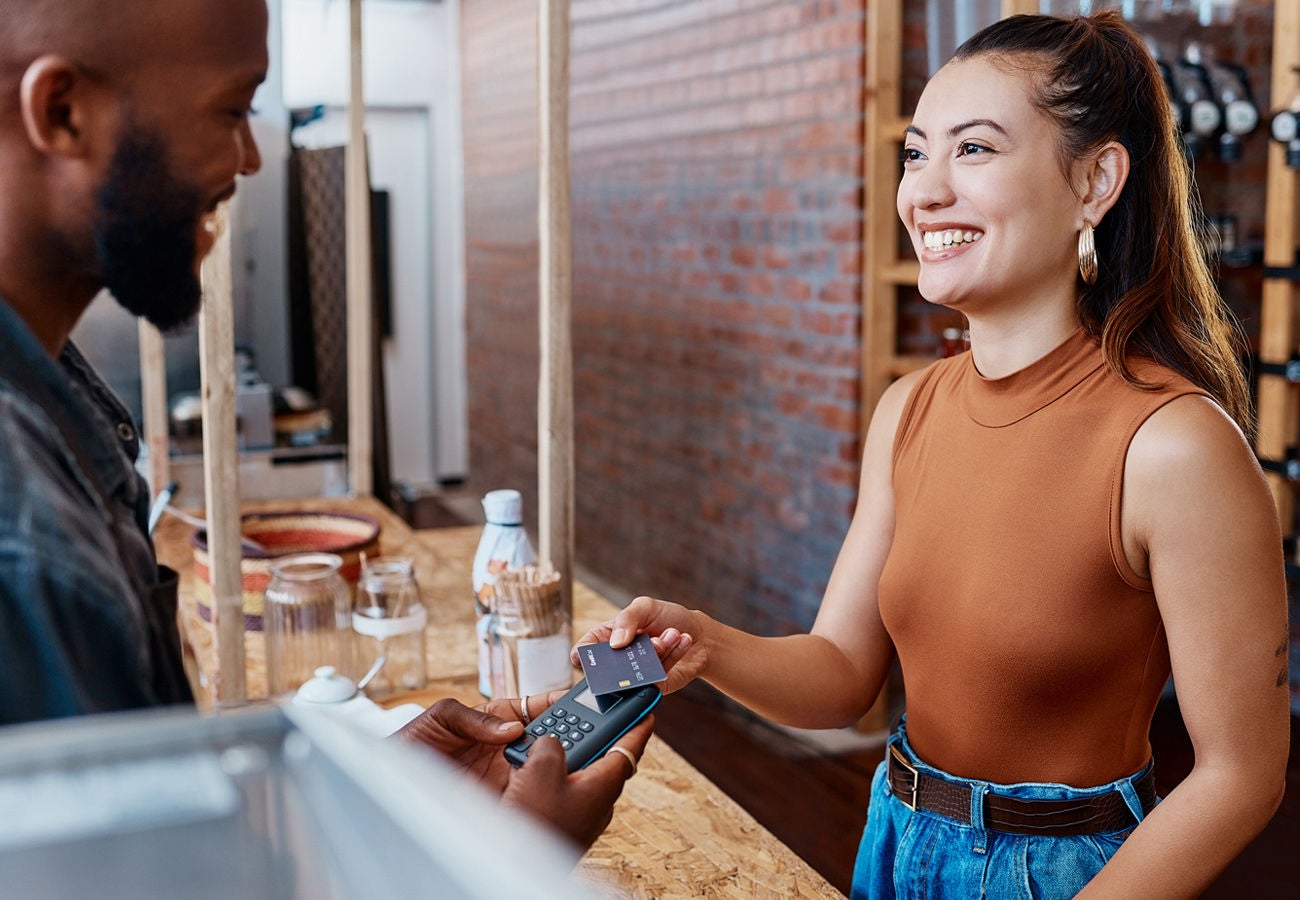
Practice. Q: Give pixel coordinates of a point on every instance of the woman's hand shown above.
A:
(676, 632)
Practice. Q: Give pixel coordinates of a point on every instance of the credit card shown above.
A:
(609, 671)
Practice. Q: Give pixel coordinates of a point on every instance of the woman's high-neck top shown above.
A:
(1030, 649)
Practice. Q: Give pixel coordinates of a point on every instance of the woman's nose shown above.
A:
(931, 186)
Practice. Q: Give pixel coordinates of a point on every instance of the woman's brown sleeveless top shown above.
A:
(1030, 649)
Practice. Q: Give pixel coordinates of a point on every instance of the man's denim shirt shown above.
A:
(81, 628)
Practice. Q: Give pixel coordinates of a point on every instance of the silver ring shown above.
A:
(627, 754)
(523, 709)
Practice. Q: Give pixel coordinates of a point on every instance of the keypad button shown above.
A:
(586, 726)
(548, 721)
(575, 735)
(537, 729)
(561, 727)
(573, 720)
(567, 745)
(559, 712)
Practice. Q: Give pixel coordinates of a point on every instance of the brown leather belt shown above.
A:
(1054, 818)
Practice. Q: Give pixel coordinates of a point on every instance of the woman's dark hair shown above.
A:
(1154, 295)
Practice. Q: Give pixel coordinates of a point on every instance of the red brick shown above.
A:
(775, 258)
(744, 255)
(841, 292)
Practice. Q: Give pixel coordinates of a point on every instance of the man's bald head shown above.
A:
(116, 40)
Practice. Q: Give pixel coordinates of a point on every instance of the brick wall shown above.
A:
(716, 160)
(499, 66)
(716, 176)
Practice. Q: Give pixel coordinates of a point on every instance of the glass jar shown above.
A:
(305, 614)
(530, 634)
(389, 621)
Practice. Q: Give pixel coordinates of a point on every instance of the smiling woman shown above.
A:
(1090, 432)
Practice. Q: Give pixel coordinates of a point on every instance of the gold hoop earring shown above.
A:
(1087, 254)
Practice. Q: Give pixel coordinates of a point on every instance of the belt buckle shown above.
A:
(898, 758)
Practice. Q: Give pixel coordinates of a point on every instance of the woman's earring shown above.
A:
(1087, 254)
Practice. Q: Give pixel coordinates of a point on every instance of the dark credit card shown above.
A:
(609, 671)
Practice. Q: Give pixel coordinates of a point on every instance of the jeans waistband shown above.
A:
(1027, 808)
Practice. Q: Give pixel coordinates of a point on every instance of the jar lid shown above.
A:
(306, 566)
(327, 687)
(504, 507)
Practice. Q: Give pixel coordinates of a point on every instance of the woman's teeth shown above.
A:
(937, 240)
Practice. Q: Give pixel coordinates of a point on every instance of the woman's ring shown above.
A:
(626, 754)
(523, 710)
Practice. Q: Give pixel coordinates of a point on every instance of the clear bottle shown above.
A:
(389, 621)
(306, 614)
(504, 544)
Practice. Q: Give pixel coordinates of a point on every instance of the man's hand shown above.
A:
(472, 739)
(579, 806)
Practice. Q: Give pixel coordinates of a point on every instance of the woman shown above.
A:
(1051, 523)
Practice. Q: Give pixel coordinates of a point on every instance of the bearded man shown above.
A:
(124, 124)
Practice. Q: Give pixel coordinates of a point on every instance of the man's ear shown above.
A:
(60, 107)
(1106, 173)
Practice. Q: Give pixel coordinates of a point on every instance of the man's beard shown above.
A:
(145, 233)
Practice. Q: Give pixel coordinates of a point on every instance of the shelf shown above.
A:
(1288, 468)
(903, 272)
(897, 366)
(1276, 403)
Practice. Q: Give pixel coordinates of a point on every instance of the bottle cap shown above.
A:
(326, 687)
(504, 507)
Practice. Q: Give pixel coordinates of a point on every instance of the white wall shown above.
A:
(411, 75)
(260, 237)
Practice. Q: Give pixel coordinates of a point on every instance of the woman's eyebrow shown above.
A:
(959, 128)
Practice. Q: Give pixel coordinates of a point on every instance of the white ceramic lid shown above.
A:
(327, 687)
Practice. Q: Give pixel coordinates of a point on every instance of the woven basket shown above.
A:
(285, 533)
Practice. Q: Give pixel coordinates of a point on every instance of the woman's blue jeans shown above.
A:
(919, 854)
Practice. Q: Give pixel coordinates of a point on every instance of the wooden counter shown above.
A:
(674, 833)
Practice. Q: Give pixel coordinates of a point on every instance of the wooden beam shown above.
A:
(1277, 316)
(882, 117)
(153, 402)
(555, 288)
(221, 463)
(360, 315)
(1018, 7)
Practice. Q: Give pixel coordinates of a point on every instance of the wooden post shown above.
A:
(883, 128)
(221, 464)
(360, 315)
(1277, 320)
(1017, 7)
(555, 287)
(153, 396)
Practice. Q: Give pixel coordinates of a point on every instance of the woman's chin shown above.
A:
(942, 295)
